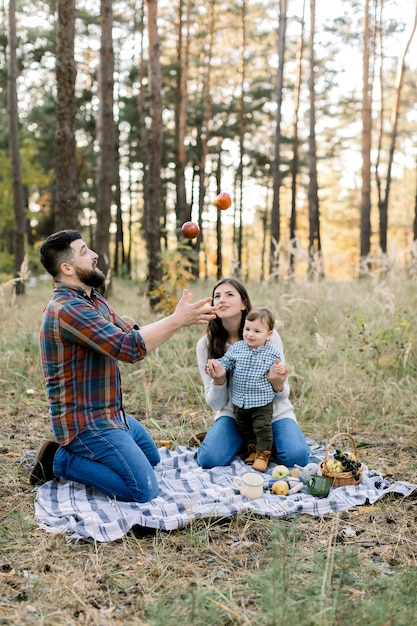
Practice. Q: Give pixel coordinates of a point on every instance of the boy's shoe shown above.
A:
(43, 469)
(197, 440)
(250, 454)
(261, 460)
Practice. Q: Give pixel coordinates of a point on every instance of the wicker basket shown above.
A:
(343, 478)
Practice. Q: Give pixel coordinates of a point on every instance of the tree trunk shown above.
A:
(119, 248)
(415, 216)
(204, 133)
(365, 210)
(276, 166)
(315, 258)
(183, 211)
(14, 146)
(66, 204)
(242, 131)
(153, 183)
(143, 148)
(295, 146)
(379, 44)
(219, 263)
(106, 137)
(383, 207)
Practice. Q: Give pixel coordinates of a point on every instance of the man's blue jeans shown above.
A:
(223, 442)
(117, 462)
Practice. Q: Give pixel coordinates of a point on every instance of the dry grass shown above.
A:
(352, 354)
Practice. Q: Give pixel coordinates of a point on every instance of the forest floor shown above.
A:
(352, 353)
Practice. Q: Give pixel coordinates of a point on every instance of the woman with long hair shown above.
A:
(223, 441)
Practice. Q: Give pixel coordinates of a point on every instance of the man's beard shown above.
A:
(91, 278)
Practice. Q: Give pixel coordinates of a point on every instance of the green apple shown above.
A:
(280, 471)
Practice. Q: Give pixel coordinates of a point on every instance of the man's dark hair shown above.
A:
(56, 249)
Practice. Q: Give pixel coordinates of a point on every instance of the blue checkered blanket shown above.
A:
(187, 493)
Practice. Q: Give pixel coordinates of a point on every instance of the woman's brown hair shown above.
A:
(216, 333)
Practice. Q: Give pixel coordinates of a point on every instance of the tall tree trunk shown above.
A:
(242, 131)
(119, 248)
(183, 211)
(143, 147)
(315, 268)
(276, 166)
(219, 263)
(295, 146)
(153, 182)
(106, 137)
(383, 207)
(130, 222)
(204, 132)
(66, 204)
(365, 210)
(380, 49)
(14, 146)
(415, 219)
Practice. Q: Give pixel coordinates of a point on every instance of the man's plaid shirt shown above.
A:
(81, 341)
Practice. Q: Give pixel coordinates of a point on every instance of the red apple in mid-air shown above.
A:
(190, 230)
(223, 201)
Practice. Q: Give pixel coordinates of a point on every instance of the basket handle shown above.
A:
(338, 436)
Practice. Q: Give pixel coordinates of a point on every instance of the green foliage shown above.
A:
(7, 266)
(34, 181)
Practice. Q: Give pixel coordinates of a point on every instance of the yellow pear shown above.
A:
(280, 487)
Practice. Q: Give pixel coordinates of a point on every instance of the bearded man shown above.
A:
(81, 341)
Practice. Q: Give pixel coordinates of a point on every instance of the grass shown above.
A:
(351, 349)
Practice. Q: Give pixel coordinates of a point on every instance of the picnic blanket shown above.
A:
(187, 493)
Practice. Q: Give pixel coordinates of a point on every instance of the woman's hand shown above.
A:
(216, 371)
(277, 375)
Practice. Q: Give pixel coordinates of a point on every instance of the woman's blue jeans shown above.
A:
(117, 462)
(223, 442)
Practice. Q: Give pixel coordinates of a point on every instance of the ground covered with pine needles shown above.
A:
(352, 353)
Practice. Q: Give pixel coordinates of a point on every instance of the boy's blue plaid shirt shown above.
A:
(250, 366)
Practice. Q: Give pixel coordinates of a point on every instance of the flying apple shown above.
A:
(190, 230)
(223, 201)
(280, 471)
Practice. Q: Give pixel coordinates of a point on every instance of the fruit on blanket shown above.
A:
(280, 471)
(223, 201)
(295, 472)
(349, 462)
(334, 467)
(343, 462)
(280, 487)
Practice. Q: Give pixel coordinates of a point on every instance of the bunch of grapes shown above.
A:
(348, 463)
